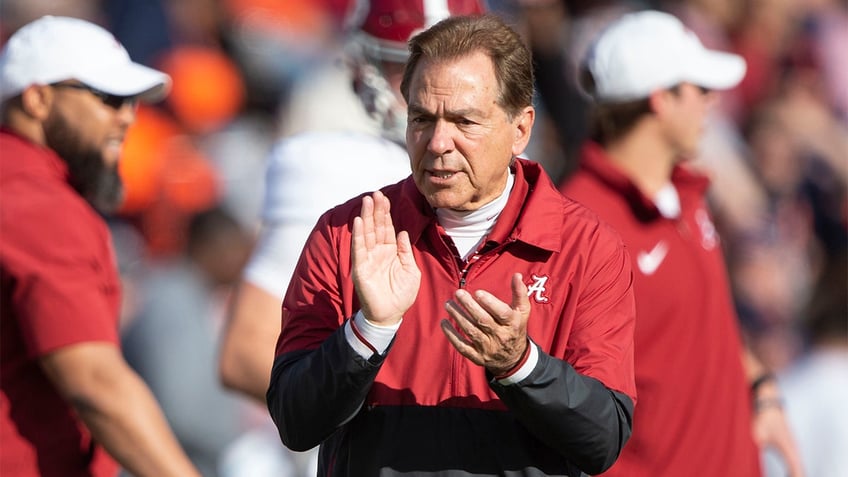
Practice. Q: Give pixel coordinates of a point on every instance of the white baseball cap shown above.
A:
(646, 51)
(53, 49)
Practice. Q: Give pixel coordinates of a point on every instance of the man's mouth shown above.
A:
(442, 174)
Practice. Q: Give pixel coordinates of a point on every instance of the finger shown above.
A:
(405, 255)
(492, 308)
(787, 449)
(795, 468)
(367, 216)
(520, 297)
(463, 320)
(357, 249)
(379, 216)
(462, 346)
(388, 225)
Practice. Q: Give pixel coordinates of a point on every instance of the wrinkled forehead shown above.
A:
(471, 70)
(466, 82)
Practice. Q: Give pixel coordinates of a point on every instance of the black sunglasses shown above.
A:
(703, 89)
(111, 100)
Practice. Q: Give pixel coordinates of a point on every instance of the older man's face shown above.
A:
(460, 141)
(88, 135)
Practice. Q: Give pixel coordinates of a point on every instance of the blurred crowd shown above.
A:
(776, 150)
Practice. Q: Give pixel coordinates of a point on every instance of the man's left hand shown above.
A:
(488, 331)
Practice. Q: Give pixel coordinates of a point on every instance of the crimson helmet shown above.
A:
(386, 25)
(380, 31)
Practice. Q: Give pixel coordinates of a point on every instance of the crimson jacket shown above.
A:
(423, 409)
(694, 413)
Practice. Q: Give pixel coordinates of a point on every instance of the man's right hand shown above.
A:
(385, 274)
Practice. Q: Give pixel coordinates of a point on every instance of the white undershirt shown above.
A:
(668, 201)
(468, 228)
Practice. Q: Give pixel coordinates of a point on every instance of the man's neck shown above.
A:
(467, 229)
(24, 125)
(644, 158)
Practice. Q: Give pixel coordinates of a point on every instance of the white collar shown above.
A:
(468, 228)
(668, 201)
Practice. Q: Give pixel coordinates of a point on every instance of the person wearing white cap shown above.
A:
(69, 403)
(700, 391)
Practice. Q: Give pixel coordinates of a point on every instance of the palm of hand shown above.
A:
(386, 286)
(385, 274)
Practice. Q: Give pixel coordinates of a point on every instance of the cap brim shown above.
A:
(132, 79)
(717, 70)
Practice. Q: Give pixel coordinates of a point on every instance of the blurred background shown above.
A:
(776, 149)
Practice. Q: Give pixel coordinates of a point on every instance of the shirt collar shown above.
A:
(594, 160)
(46, 161)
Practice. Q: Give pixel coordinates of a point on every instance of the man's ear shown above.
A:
(523, 124)
(36, 101)
(660, 101)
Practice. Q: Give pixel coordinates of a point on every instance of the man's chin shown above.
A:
(108, 205)
(108, 195)
(110, 156)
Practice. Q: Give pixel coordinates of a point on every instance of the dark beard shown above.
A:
(96, 182)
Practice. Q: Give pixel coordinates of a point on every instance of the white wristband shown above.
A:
(367, 337)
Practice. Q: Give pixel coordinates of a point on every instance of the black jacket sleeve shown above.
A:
(314, 392)
(575, 414)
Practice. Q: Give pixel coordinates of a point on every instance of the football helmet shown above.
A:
(386, 25)
(380, 30)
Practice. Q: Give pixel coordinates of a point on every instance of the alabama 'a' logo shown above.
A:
(709, 236)
(537, 289)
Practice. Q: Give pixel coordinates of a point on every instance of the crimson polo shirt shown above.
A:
(694, 412)
(58, 287)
